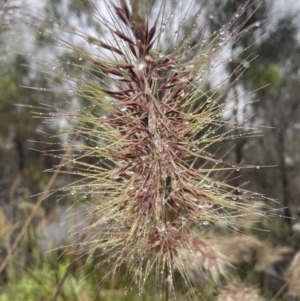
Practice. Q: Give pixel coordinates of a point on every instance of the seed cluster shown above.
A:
(154, 93)
(152, 196)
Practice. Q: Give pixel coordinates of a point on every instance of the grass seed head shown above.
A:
(239, 292)
(151, 119)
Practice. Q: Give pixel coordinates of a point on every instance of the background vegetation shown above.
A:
(261, 261)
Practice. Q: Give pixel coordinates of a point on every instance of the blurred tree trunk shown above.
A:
(284, 176)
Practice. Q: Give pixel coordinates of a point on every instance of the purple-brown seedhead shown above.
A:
(153, 184)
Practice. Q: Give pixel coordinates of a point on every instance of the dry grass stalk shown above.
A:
(239, 292)
(239, 249)
(5, 228)
(268, 255)
(203, 260)
(293, 276)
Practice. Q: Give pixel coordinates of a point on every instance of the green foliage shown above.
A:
(9, 90)
(36, 286)
(266, 77)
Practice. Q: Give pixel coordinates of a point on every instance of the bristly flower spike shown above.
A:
(149, 195)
